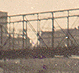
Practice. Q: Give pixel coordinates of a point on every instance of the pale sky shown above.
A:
(28, 6)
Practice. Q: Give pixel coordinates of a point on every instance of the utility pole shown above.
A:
(52, 30)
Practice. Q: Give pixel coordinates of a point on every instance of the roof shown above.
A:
(3, 12)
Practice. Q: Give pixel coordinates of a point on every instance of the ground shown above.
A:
(46, 65)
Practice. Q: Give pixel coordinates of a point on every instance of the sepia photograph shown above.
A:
(39, 36)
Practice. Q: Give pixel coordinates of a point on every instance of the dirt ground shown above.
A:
(46, 65)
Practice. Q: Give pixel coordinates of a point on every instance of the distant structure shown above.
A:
(16, 43)
(58, 36)
(2, 26)
(7, 40)
(47, 39)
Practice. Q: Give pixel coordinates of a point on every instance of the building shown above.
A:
(6, 39)
(17, 43)
(3, 19)
(60, 38)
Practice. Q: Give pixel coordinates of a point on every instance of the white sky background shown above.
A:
(28, 6)
(14, 7)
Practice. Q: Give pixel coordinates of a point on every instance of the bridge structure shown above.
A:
(42, 30)
(53, 29)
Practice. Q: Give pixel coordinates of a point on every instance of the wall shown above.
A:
(59, 36)
(2, 20)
